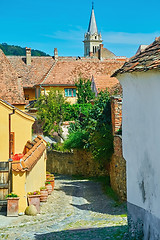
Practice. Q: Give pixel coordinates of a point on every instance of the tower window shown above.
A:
(93, 49)
(95, 37)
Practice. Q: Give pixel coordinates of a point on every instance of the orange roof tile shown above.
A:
(30, 159)
(105, 81)
(64, 72)
(145, 60)
(11, 87)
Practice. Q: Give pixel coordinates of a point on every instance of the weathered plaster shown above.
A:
(141, 139)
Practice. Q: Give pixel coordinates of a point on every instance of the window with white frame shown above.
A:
(70, 92)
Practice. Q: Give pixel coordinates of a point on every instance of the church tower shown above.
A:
(92, 39)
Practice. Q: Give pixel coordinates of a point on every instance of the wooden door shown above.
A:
(4, 184)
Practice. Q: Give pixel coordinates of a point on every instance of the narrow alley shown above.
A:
(77, 209)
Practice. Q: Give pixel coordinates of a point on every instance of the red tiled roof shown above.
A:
(11, 88)
(145, 60)
(47, 71)
(66, 72)
(34, 153)
(34, 73)
(105, 81)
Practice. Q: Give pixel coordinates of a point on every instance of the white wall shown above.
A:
(141, 138)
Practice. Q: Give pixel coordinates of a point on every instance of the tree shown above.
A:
(84, 91)
(94, 131)
(50, 112)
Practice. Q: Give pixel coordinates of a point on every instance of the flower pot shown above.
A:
(52, 184)
(49, 188)
(34, 200)
(44, 195)
(12, 206)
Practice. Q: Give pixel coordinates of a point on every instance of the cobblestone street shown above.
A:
(77, 209)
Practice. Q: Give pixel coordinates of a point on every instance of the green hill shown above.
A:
(19, 51)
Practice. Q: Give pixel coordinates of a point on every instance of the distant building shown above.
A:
(93, 46)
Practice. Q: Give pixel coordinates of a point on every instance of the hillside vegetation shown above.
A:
(19, 51)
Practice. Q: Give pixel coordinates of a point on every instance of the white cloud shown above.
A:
(129, 38)
(108, 37)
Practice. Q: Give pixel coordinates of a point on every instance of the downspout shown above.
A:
(10, 160)
(43, 89)
(10, 132)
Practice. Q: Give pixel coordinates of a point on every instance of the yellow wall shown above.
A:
(4, 131)
(71, 100)
(18, 187)
(37, 176)
(20, 106)
(24, 182)
(21, 125)
(30, 92)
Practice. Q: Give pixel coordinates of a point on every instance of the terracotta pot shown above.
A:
(44, 195)
(49, 188)
(34, 200)
(12, 206)
(52, 184)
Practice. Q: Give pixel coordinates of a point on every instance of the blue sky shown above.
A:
(46, 24)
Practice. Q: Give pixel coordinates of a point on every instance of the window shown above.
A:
(12, 143)
(70, 92)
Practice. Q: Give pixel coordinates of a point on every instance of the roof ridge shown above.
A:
(47, 74)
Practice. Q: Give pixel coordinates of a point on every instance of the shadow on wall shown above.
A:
(112, 233)
(85, 191)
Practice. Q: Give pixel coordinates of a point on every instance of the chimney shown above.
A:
(55, 54)
(100, 55)
(28, 56)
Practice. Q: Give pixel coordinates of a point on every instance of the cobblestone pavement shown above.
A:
(77, 209)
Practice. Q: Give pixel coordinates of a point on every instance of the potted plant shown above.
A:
(12, 204)
(34, 199)
(51, 180)
(49, 187)
(47, 174)
(44, 194)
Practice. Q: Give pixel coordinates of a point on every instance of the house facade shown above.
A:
(141, 140)
(28, 172)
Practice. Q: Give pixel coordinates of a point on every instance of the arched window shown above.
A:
(93, 49)
(95, 37)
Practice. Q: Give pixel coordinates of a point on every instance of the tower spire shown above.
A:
(92, 39)
(92, 5)
(92, 28)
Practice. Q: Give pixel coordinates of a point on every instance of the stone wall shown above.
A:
(118, 169)
(79, 162)
(118, 163)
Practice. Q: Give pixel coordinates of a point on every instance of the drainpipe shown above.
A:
(43, 89)
(10, 160)
(10, 132)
